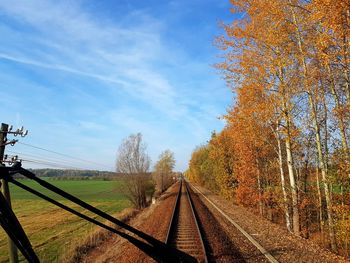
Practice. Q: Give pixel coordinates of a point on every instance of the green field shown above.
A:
(52, 231)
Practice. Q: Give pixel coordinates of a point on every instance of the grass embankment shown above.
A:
(52, 231)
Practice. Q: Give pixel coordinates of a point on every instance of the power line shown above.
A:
(62, 154)
(51, 164)
(48, 159)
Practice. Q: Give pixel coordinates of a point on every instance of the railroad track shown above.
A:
(264, 251)
(184, 233)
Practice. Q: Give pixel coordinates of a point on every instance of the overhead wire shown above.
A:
(51, 164)
(45, 159)
(65, 155)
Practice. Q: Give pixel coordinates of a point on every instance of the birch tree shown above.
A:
(134, 163)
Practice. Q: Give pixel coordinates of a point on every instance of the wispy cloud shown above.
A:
(124, 64)
(76, 43)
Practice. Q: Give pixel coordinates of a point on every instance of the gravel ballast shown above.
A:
(224, 242)
(284, 246)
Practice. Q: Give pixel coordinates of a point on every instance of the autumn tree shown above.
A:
(222, 159)
(256, 60)
(134, 163)
(163, 170)
(200, 168)
(285, 144)
(284, 149)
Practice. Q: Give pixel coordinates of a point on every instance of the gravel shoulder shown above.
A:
(223, 241)
(221, 245)
(284, 246)
(153, 220)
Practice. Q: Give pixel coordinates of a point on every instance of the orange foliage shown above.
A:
(288, 63)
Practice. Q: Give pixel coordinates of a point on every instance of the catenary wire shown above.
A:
(62, 154)
(50, 159)
(51, 164)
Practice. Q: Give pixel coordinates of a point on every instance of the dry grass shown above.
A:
(53, 232)
(95, 238)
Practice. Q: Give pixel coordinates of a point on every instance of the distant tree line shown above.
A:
(61, 174)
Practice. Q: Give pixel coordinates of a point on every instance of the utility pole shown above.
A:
(13, 253)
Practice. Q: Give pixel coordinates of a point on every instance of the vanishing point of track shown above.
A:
(184, 233)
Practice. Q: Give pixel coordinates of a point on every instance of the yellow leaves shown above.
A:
(342, 223)
(212, 165)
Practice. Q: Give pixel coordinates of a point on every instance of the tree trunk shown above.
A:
(295, 203)
(261, 208)
(308, 212)
(320, 204)
(324, 172)
(285, 198)
(318, 135)
(339, 115)
(326, 137)
(290, 163)
(345, 49)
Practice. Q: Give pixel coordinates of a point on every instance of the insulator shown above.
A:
(25, 133)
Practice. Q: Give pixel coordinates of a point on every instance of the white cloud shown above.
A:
(76, 43)
(123, 55)
(73, 41)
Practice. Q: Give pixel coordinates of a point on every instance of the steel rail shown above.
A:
(196, 222)
(172, 220)
(175, 214)
(269, 257)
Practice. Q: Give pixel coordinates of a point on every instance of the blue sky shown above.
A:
(83, 75)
